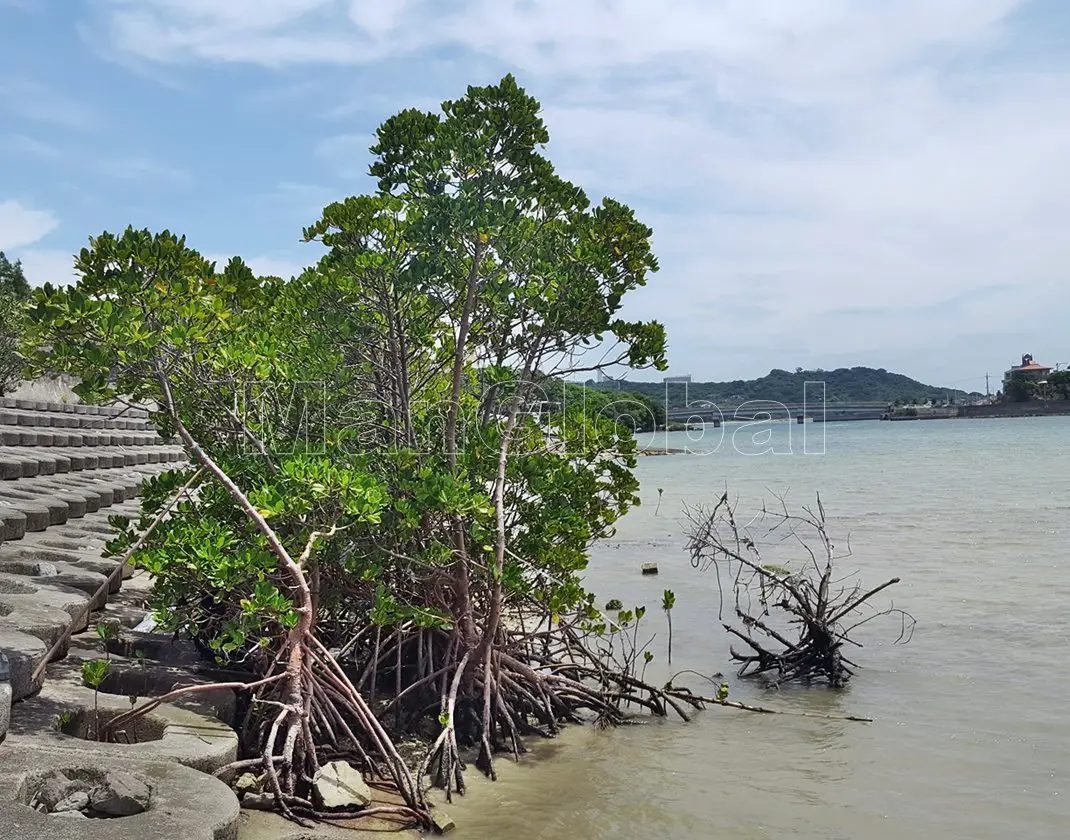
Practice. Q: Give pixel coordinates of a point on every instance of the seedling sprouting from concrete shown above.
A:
(107, 632)
(656, 509)
(94, 672)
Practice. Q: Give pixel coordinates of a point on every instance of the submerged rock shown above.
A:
(338, 785)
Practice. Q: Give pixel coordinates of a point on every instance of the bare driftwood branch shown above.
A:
(790, 616)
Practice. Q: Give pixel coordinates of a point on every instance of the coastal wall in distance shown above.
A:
(1033, 408)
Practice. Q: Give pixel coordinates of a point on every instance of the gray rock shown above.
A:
(75, 802)
(54, 790)
(121, 795)
(247, 783)
(442, 822)
(259, 801)
(75, 814)
(337, 785)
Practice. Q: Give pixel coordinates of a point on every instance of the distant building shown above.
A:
(1027, 370)
(668, 380)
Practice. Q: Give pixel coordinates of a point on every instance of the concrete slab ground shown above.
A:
(193, 739)
(184, 804)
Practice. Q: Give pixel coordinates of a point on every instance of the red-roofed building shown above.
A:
(1027, 370)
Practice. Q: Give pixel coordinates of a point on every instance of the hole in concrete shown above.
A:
(140, 683)
(86, 792)
(87, 723)
(13, 587)
(157, 647)
(145, 683)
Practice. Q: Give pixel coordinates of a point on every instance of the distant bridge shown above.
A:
(706, 412)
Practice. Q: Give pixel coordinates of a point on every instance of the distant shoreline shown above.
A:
(644, 450)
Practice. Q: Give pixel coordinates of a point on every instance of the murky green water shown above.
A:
(972, 731)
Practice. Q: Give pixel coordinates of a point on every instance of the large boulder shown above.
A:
(338, 785)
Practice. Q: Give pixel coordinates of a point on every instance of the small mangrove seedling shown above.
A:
(668, 601)
(656, 509)
(94, 672)
(107, 633)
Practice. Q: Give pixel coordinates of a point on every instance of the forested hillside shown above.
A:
(857, 384)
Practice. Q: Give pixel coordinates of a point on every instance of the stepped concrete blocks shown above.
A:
(90, 500)
(29, 466)
(57, 510)
(33, 517)
(10, 468)
(24, 653)
(13, 523)
(36, 560)
(84, 578)
(39, 608)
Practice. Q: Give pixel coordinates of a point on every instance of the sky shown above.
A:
(830, 182)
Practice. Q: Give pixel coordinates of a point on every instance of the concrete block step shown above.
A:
(24, 653)
(36, 504)
(15, 435)
(46, 419)
(74, 408)
(26, 462)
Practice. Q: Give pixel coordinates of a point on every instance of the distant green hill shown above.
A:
(844, 385)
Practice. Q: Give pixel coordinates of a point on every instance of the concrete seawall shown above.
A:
(1036, 408)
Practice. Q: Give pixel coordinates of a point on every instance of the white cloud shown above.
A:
(275, 267)
(21, 226)
(823, 175)
(263, 266)
(47, 266)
